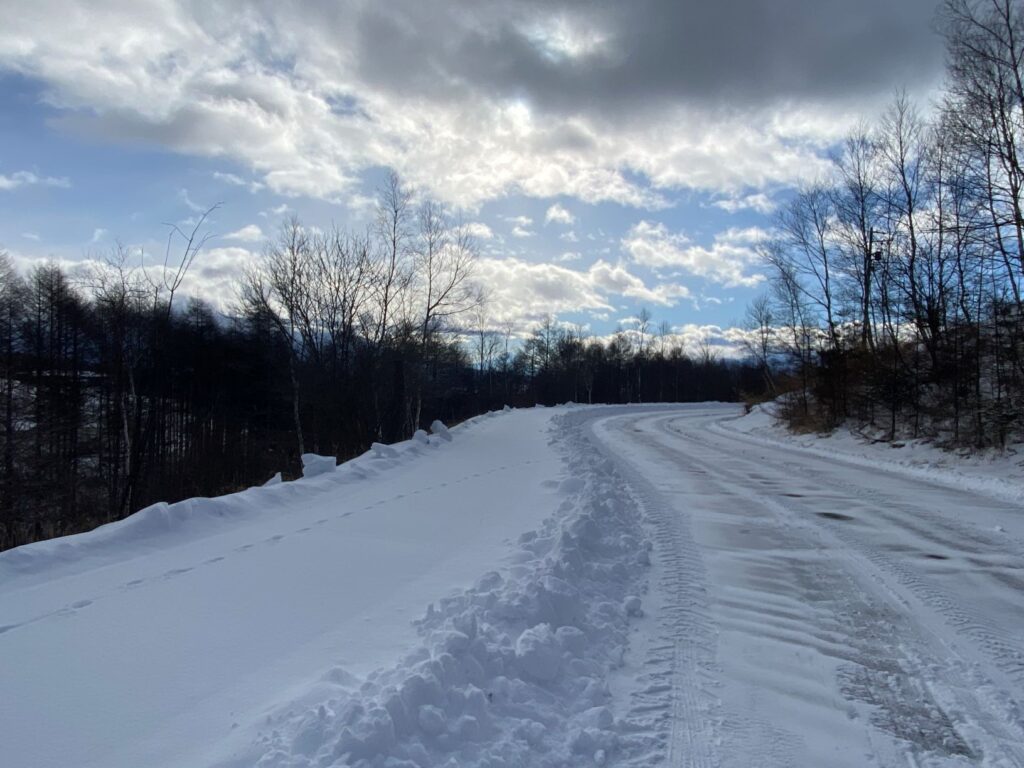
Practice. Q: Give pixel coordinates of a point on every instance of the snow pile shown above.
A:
(512, 672)
(438, 428)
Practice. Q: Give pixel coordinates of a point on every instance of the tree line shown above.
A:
(119, 393)
(895, 297)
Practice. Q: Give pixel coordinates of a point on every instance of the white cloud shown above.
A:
(214, 275)
(30, 179)
(569, 256)
(30, 236)
(561, 38)
(524, 291)
(521, 291)
(519, 231)
(98, 234)
(559, 214)
(480, 230)
(189, 203)
(616, 279)
(758, 202)
(569, 237)
(208, 81)
(726, 261)
(521, 221)
(724, 342)
(277, 211)
(743, 235)
(690, 337)
(237, 181)
(247, 234)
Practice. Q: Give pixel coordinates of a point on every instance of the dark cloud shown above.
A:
(746, 52)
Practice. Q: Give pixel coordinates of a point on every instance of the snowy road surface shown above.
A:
(552, 587)
(821, 613)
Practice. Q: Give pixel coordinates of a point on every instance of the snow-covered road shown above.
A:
(819, 612)
(798, 609)
(150, 642)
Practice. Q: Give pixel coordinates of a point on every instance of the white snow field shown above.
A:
(645, 585)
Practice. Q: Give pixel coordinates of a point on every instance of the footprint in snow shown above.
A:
(274, 539)
(212, 560)
(81, 604)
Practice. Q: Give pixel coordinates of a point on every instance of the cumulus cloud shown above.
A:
(247, 234)
(595, 102)
(479, 230)
(30, 179)
(213, 276)
(519, 290)
(277, 211)
(559, 214)
(726, 261)
(617, 279)
(758, 202)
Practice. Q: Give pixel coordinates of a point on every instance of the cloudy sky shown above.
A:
(611, 155)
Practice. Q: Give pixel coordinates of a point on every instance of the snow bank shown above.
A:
(998, 474)
(163, 524)
(512, 672)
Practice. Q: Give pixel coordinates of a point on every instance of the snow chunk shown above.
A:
(382, 451)
(313, 465)
(632, 605)
(538, 652)
(438, 428)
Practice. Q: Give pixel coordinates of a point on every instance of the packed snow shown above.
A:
(569, 586)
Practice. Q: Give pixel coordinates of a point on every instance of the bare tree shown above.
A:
(445, 258)
(806, 254)
(760, 341)
(279, 290)
(857, 199)
(394, 233)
